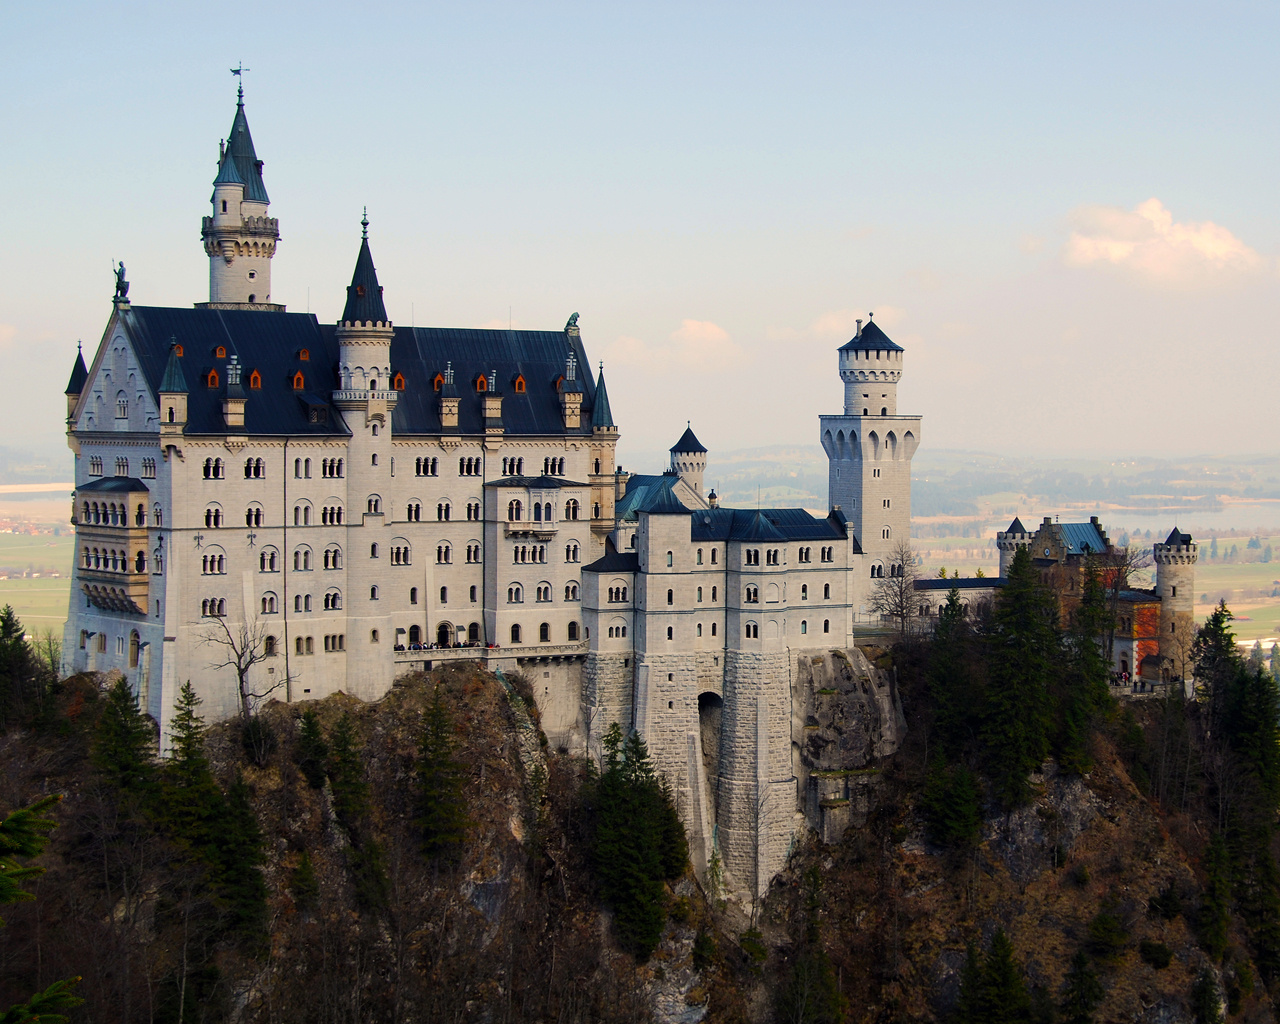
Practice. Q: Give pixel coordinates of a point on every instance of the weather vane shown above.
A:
(239, 71)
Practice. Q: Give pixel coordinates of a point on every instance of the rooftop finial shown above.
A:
(364, 223)
(239, 71)
(869, 316)
(79, 346)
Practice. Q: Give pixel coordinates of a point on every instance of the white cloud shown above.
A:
(694, 345)
(7, 333)
(1150, 243)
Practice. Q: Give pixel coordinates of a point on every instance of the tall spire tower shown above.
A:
(239, 238)
(870, 446)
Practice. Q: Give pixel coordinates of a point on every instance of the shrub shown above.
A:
(1157, 954)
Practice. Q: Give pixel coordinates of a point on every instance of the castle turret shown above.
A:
(606, 479)
(869, 448)
(79, 374)
(1008, 541)
(689, 460)
(239, 238)
(1176, 587)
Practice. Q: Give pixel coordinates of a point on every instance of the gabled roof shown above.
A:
(614, 560)
(364, 294)
(79, 374)
(871, 337)
(1082, 538)
(772, 524)
(662, 502)
(240, 149)
(688, 443)
(271, 343)
(1016, 526)
(640, 489)
(1178, 539)
(601, 414)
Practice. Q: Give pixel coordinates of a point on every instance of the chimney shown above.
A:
(859, 334)
(448, 400)
(233, 401)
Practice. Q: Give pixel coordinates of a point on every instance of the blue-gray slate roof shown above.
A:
(968, 583)
(364, 294)
(768, 524)
(601, 414)
(272, 343)
(1178, 539)
(1016, 526)
(1082, 538)
(79, 374)
(114, 485)
(688, 443)
(614, 560)
(871, 338)
(240, 149)
(641, 488)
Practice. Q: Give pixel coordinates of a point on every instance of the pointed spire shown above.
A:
(174, 381)
(364, 294)
(79, 373)
(364, 224)
(240, 149)
(688, 442)
(601, 414)
(228, 173)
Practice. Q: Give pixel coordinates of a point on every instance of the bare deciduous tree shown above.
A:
(242, 647)
(893, 596)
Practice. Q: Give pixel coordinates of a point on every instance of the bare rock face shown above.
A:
(847, 716)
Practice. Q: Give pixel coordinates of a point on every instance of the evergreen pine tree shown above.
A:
(1215, 905)
(953, 684)
(1081, 691)
(20, 688)
(1206, 1003)
(969, 1005)
(313, 751)
(191, 805)
(1081, 991)
(1255, 655)
(23, 835)
(121, 747)
(626, 847)
(346, 775)
(242, 890)
(304, 885)
(1214, 653)
(1023, 646)
(441, 807)
(1275, 662)
(1004, 994)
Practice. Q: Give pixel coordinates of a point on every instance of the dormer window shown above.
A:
(298, 381)
(255, 381)
(360, 291)
(397, 382)
(482, 383)
(178, 351)
(220, 352)
(438, 383)
(304, 355)
(520, 385)
(212, 379)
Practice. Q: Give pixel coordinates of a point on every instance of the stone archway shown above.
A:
(444, 634)
(710, 710)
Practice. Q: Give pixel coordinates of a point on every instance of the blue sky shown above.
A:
(1065, 215)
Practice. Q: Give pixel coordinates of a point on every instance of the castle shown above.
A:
(268, 506)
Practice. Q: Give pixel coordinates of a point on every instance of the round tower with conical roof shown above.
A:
(1008, 541)
(689, 460)
(239, 238)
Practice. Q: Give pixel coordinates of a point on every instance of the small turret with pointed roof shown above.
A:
(173, 392)
(239, 238)
(689, 459)
(364, 294)
(364, 339)
(601, 414)
(79, 374)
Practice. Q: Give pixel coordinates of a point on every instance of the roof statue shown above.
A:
(572, 324)
(122, 286)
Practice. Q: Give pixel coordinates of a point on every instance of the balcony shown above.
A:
(524, 528)
(115, 591)
(388, 395)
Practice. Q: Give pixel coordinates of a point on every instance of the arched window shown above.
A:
(269, 647)
(804, 626)
(269, 604)
(212, 380)
(826, 625)
(514, 510)
(671, 597)
(373, 593)
(826, 591)
(713, 556)
(333, 601)
(333, 557)
(544, 632)
(515, 594)
(571, 592)
(515, 627)
(670, 633)
(373, 550)
(714, 628)
(303, 355)
(374, 504)
(573, 631)
(537, 512)
(299, 381)
(669, 559)
(571, 509)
